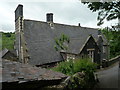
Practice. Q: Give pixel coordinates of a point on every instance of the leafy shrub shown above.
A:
(72, 67)
(85, 65)
(65, 67)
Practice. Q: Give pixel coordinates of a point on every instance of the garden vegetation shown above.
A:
(7, 40)
(72, 67)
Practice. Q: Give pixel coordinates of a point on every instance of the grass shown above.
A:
(7, 40)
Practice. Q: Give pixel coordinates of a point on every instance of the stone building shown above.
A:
(35, 41)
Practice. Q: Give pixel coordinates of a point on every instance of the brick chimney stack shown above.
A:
(19, 12)
(19, 31)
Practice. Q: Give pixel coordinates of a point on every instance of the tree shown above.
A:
(106, 10)
(62, 42)
(109, 11)
(114, 40)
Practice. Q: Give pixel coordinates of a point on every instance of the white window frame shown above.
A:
(104, 49)
(91, 54)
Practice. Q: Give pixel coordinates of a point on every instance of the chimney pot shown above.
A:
(79, 24)
(19, 11)
(49, 17)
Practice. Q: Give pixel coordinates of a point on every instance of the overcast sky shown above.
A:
(65, 11)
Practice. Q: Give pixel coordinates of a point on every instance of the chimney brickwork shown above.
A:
(20, 45)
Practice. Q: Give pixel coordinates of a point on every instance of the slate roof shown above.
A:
(5, 51)
(18, 72)
(40, 38)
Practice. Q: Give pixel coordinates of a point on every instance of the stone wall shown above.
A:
(111, 61)
(114, 60)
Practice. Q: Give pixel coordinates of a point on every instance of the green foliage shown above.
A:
(73, 66)
(85, 65)
(61, 42)
(7, 40)
(106, 10)
(65, 67)
(114, 41)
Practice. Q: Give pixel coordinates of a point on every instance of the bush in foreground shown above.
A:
(72, 67)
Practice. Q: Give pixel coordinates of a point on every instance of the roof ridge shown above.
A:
(63, 24)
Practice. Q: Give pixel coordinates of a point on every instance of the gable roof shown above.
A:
(40, 38)
(90, 36)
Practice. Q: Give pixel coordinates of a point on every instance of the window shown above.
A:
(104, 49)
(70, 56)
(91, 54)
